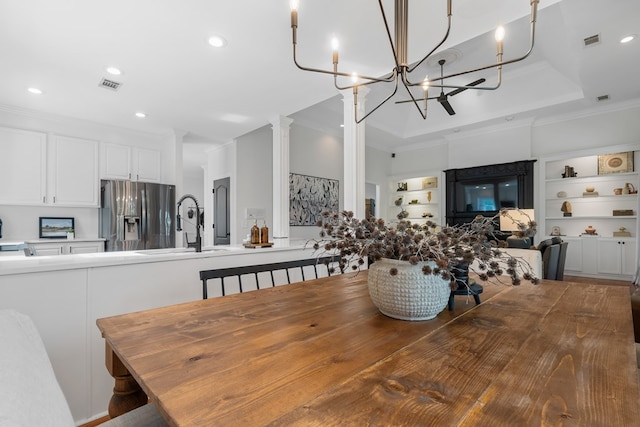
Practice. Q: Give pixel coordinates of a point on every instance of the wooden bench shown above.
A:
(222, 273)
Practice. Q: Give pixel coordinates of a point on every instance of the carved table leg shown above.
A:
(127, 394)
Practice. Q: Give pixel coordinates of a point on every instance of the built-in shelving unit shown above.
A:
(607, 202)
(417, 197)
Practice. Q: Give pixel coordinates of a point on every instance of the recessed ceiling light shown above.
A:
(141, 115)
(628, 38)
(342, 125)
(34, 90)
(217, 41)
(114, 71)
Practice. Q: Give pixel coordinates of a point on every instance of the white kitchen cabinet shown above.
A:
(23, 162)
(41, 249)
(66, 247)
(133, 163)
(147, 166)
(88, 247)
(73, 172)
(616, 256)
(574, 257)
(37, 169)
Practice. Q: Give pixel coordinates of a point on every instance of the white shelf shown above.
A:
(553, 218)
(428, 199)
(590, 198)
(594, 178)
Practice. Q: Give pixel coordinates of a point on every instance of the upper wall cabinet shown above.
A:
(41, 169)
(22, 167)
(125, 162)
(73, 172)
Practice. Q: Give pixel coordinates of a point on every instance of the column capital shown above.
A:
(280, 120)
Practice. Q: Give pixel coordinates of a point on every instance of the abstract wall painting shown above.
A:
(309, 196)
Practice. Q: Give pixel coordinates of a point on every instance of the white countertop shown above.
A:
(24, 264)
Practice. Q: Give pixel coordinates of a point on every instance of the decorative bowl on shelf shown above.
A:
(562, 194)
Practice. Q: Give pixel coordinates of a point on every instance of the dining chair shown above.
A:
(285, 266)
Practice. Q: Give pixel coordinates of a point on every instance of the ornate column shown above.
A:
(281, 176)
(354, 153)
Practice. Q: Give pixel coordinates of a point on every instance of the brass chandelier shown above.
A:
(402, 69)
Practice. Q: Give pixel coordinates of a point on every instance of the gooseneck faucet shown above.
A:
(198, 243)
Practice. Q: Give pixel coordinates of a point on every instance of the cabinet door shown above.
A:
(628, 257)
(74, 169)
(573, 261)
(116, 161)
(147, 165)
(86, 247)
(22, 167)
(47, 249)
(609, 252)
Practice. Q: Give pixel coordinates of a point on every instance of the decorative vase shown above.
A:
(410, 294)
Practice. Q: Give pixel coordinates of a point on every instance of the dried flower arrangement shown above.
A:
(448, 246)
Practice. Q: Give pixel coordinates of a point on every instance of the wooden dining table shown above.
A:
(319, 353)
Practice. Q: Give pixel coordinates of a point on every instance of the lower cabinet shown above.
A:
(65, 247)
(616, 256)
(601, 256)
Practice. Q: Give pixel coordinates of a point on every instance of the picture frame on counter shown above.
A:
(615, 163)
(55, 227)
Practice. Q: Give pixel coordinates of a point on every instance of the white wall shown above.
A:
(596, 130)
(315, 154)
(254, 179)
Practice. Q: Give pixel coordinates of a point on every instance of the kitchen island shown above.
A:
(64, 295)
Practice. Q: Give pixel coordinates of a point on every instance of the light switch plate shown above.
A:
(254, 213)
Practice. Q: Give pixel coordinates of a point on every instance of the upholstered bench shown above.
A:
(29, 391)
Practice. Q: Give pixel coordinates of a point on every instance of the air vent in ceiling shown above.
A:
(590, 41)
(602, 98)
(109, 84)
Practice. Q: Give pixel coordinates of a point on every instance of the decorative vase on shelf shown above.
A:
(410, 294)
(590, 230)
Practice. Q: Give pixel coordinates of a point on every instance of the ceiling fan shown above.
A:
(443, 97)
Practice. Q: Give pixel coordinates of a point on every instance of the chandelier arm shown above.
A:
(415, 101)
(386, 26)
(499, 64)
(355, 104)
(388, 79)
(336, 73)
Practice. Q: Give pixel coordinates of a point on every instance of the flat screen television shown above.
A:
(486, 195)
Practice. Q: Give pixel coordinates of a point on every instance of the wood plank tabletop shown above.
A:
(318, 353)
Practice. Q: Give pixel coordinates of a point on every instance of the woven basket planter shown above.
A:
(409, 295)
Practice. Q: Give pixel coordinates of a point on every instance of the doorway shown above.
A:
(221, 211)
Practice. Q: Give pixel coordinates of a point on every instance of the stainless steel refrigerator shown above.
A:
(137, 215)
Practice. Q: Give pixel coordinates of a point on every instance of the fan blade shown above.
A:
(462, 89)
(442, 99)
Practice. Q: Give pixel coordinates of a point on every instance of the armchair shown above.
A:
(29, 392)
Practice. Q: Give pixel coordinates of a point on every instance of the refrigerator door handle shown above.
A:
(143, 219)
